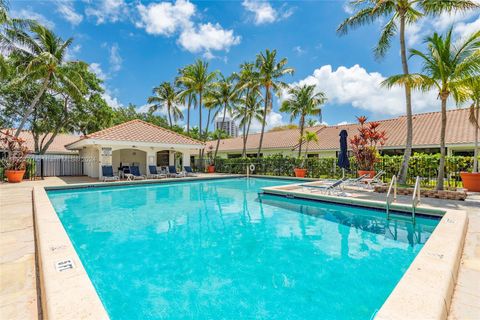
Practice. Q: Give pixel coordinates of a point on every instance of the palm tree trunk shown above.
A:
(264, 119)
(246, 137)
(223, 121)
(169, 117)
(402, 173)
(32, 106)
(188, 113)
(441, 166)
(200, 152)
(302, 124)
(208, 123)
(475, 150)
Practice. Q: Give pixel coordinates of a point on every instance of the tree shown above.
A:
(303, 101)
(224, 95)
(397, 14)
(469, 91)
(307, 138)
(445, 68)
(166, 97)
(252, 111)
(187, 93)
(284, 127)
(270, 71)
(42, 58)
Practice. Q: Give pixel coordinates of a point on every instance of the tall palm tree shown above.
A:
(270, 71)
(250, 109)
(226, 96)
(445, 67)
(200, 79)
(43, 56)
(187, 94)
(247, 82)
(307, 138)
(397, 14)
(166, 97)
(470, 92)
(303, 101)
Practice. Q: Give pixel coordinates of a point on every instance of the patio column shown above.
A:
(171, 158)
(186, 158)
(151, 159)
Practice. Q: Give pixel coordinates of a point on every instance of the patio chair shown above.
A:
(172, 172)
(356, 181)
(189, 172)
(154, 174)
(134, 174)
(375, 180)
(107, 174)
(333, 188)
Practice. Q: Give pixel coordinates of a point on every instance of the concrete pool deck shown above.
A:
(18, 292)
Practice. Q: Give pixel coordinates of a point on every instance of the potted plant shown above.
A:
(364, 146)
(211, 166)
(471, 180)
(15, 162)
(308, 137)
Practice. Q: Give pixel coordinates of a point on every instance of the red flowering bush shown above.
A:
(16, 150)
(364, 144)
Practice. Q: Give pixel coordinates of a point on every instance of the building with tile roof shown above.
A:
(134, 142)
(426, 137)
(57, 147)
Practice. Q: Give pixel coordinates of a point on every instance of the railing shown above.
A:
(415, 197)
(393, 184)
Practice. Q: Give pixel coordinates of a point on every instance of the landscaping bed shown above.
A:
(439, 194)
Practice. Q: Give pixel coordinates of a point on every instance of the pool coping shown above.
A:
(425, 290)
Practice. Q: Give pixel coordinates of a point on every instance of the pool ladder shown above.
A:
(390, 199)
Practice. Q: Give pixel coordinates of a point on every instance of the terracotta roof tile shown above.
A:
(426, 132)
(57, 145)
(141, 131)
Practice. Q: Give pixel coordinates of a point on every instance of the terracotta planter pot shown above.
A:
(371, 173)
(300, 173)
(211, 169)
(471, 181)
(14, 176)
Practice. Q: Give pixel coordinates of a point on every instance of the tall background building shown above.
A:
(229, 126)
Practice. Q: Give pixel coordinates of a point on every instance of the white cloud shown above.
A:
(274, 119)
(263, 12)
(108, 11)
(97, 69)
(208, 37)
(465, 29)
(72, 52)
(357, 87)
(67, 11)
(115, 59)
(342, 123)
(166, 18)
(111, 100)
(299, 50)
(30, 14)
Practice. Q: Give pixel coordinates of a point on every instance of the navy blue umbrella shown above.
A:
(343, 161)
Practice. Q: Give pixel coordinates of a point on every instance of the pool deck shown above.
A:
(18, 273)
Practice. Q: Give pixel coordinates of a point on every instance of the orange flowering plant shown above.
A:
(364, 144)
(16, 150)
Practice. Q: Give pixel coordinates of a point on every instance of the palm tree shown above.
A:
(303, 102)
(269, 73)
(187, 94)
(3, 12)
(308, 137)
(470, 91)
(250, 109)
(200, 80)
(397, 14)
(43, 58)
(445, 68)
(226, 96)
(165, 97)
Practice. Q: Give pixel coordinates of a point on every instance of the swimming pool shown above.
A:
(216, 250)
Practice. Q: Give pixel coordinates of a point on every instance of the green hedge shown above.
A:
(423, 165)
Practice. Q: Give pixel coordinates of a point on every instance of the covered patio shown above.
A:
(136, 143)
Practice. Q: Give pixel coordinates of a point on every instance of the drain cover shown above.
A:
(64, 265)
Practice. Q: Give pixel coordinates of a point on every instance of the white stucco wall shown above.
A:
(90, 166)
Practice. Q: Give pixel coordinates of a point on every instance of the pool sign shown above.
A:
(64, 265)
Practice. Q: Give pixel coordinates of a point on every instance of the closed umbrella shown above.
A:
(343, 161)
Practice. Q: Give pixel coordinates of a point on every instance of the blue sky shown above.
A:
(135, 45)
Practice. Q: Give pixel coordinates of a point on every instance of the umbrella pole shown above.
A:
(343, 173)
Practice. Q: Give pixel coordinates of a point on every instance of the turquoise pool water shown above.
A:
(216, 250)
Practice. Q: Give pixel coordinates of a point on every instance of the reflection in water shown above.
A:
(397, 228)
(214, 250)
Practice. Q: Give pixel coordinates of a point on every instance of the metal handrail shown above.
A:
(393, 184)
(415, 197)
